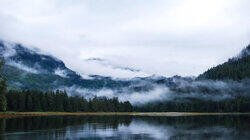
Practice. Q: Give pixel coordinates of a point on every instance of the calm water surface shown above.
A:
(126, 127)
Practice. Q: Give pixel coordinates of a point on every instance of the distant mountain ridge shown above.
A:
(40, 63)
(27, 69)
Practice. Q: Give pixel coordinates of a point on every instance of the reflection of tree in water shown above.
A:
(194, 122)
(200, 127)
(2, 128)
(56, 122)
(174, 127)
(2, 125)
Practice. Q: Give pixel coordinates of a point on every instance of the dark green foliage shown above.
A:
(13, 100)
(21, 101)
(236, 68)
(3, 103)
(34, 100)
(3, 87)
(44, 103)
(59, 101)
(237, 104)
(29, 102)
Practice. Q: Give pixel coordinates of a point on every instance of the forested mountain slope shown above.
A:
(237, 68)
(28, 69)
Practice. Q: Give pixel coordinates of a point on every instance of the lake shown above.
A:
(126, 127)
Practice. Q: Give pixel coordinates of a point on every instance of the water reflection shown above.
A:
(126, 127)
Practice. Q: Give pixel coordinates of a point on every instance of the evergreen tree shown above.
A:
(84, 105)
(237, 68)
(29, 102)
(49, 95)
(21, 98)
(3, 87)
(44, 103)
(12, 100)
(95, 106)
(59, 101)
(36, 101)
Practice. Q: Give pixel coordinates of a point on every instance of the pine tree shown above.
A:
(12, 100)
(49, 95)
(36, 101)
(59, 101)
(84, 105)
(44, 103)
(3, 87)
(21, 101)
(29, 102)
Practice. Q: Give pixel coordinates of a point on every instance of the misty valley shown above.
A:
(40, 98)
(124, 70)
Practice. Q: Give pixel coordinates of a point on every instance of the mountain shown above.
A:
(236, 68)
(113, 66)
(28, 69)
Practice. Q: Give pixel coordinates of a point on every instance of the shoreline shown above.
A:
(29, 114)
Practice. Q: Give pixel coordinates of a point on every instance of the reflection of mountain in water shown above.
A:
(126, 127)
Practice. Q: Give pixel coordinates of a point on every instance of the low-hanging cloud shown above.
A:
(23, 67)
(103, 67)
(60, 72)
(176, 90)
(7, 50)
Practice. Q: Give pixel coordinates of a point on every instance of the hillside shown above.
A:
(237, 68)
(28, 69)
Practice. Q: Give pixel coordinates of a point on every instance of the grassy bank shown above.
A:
(23, 114)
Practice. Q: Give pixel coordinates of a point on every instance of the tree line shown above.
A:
(59, 101)
(237, 104)
(35, 100)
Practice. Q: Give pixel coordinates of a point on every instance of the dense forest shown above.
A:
(237, 68)
(238, 104)
(59, 101)
(35, 100)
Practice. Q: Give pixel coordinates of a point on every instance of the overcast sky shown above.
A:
(162, 37)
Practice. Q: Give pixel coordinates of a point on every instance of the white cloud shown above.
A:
(62, 73)
(158, 37)
(8, 50)
(214, 90)
(111, 68)
(22, 67)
